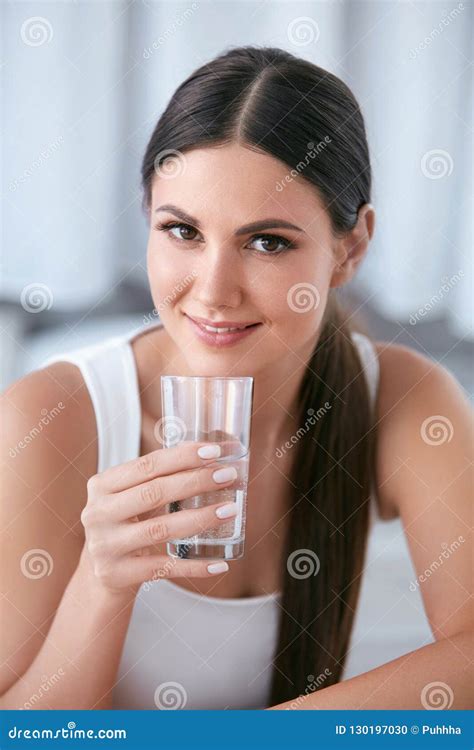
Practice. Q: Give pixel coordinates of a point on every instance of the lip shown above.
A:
(223, 323)
(220, 339)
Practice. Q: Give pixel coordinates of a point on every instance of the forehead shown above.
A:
(235, 183)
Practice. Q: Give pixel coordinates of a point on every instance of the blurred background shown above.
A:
(83, 84)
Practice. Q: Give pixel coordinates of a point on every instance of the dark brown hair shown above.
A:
(270, 100)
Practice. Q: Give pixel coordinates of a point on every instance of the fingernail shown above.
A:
(225, 475)
(219, 567)
(209, 451)
(227, 511)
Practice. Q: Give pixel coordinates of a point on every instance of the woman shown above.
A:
(257, 187)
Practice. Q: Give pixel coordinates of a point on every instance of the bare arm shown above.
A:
(435, 676)
(77, 664)
(62, 635)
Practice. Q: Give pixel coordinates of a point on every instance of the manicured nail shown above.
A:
(227, 511)
(219, 567)
(209, 451)
(225, 475)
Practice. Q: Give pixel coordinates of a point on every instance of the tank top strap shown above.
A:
(371, 368)
(109, 372)
(370, 363)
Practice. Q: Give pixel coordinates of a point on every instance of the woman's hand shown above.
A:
(117, 537)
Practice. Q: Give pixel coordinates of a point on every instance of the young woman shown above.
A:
(257, 188)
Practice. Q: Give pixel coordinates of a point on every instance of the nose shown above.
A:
(218, 283)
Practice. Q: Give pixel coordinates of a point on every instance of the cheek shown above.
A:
(298, 298)
(167, 276)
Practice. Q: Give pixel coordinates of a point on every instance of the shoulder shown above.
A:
(424, 467)
(49, 437)
(420, 407)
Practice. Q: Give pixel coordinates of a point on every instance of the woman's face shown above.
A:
(213, 266)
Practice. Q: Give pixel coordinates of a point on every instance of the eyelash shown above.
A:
(288, 244)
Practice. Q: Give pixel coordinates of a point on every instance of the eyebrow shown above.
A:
(246, 229)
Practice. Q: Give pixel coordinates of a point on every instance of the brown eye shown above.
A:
(272, 244)
(185, 232)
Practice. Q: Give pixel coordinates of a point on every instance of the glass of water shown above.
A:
(214, 410)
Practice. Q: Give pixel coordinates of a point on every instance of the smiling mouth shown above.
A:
(220, 335)
(220, 329)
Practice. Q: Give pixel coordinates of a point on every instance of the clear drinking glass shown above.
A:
(213, 410)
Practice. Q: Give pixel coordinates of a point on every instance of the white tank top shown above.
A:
(186, 650)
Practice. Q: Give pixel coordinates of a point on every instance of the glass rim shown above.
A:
(205, 377)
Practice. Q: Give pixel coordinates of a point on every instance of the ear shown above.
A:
(352, 247)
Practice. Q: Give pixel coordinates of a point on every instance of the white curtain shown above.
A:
(84, 83)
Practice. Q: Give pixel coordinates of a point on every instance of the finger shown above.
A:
(159, 492)
(134, 570)
(159, 463)
(184, 523)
